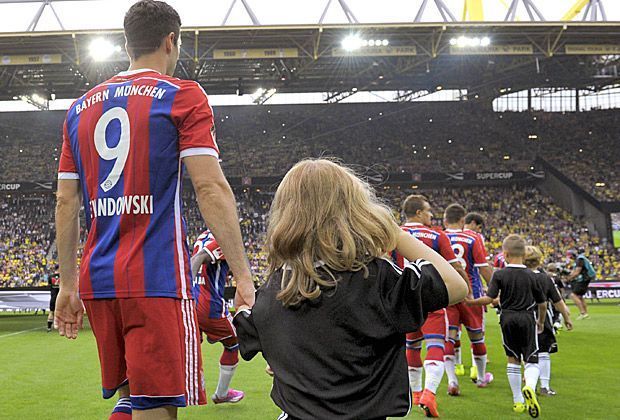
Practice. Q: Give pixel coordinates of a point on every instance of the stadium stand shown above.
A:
(410, 138)
(26, 227)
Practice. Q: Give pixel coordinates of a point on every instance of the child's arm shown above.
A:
(542, 313)
(412, 249)
(249, 341)
(481, 301)
(563, 309)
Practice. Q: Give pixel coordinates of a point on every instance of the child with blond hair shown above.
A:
(332, 317)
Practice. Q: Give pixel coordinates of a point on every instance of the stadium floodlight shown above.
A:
(466, 41)
(352, 43)
(385, 42)
(371, 43)
(378, 42)
(101, 49)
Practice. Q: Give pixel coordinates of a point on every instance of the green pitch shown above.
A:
(45, 376)
(617, 238)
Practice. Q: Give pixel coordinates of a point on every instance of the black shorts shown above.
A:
(579, 288)
(547, 342)
(519, 335)
(53, 296)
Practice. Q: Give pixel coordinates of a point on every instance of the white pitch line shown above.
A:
(21, 332)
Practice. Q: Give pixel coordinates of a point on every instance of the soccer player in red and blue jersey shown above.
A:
(210, 271)
(417, 210)
(125, 145)
(469, 250)
(499, 261)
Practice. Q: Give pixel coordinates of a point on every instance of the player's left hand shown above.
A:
(568, 324)
(69, 313)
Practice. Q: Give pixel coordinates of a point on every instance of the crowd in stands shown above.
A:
(26, 227)
(26, 236)
(398, 137)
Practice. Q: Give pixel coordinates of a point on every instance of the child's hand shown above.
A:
(540, 327)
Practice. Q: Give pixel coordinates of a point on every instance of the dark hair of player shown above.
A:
(454, 213)
(413, 204)
(474, 217)
(147, 23)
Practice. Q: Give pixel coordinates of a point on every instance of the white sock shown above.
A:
(434, 374)
(481, 365)
(531, 373)
(226, 375)
(449, 367)
(415, 379)
(544, 364)
(514, 379)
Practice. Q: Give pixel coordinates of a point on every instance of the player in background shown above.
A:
(125, 145)
(54, 280)
(546, 339)
(471, 254)
(519, 292)
(499, 261)
(474, 224)
(417, 211)
(210, 271)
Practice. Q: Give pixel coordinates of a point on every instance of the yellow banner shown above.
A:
(514, 49)
(255, 53)
(592, 49)
(20, 60)
(375, 51)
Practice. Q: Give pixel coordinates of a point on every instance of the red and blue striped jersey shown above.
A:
(499, 261)
(210, 281)
(124, 141)
(434, 239)
(469, 250)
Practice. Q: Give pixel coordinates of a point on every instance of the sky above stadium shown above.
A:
(108, 14)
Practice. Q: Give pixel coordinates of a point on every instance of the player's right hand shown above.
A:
(245, 294)
(568, 324)
(69, 313)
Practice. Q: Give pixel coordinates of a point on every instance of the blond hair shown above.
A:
(324, 216)
(514, 245)
(533, 256)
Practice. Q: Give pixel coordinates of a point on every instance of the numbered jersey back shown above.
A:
(124, 141)
(469, 251)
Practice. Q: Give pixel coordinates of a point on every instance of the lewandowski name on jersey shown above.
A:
(128, 204)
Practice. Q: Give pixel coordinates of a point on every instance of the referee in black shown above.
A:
(54, 282)
(519, 294)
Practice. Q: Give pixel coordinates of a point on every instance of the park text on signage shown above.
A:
(253, 53)
(601, 49)
(376, 51)
(515, 49)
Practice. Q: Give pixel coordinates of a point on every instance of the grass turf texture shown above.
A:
(45, 376)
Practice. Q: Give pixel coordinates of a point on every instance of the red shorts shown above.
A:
(435, 327)
(470, 316)
(217, 329)
(153, 345)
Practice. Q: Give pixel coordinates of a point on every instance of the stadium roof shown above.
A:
(311, 58)
(45, 15)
